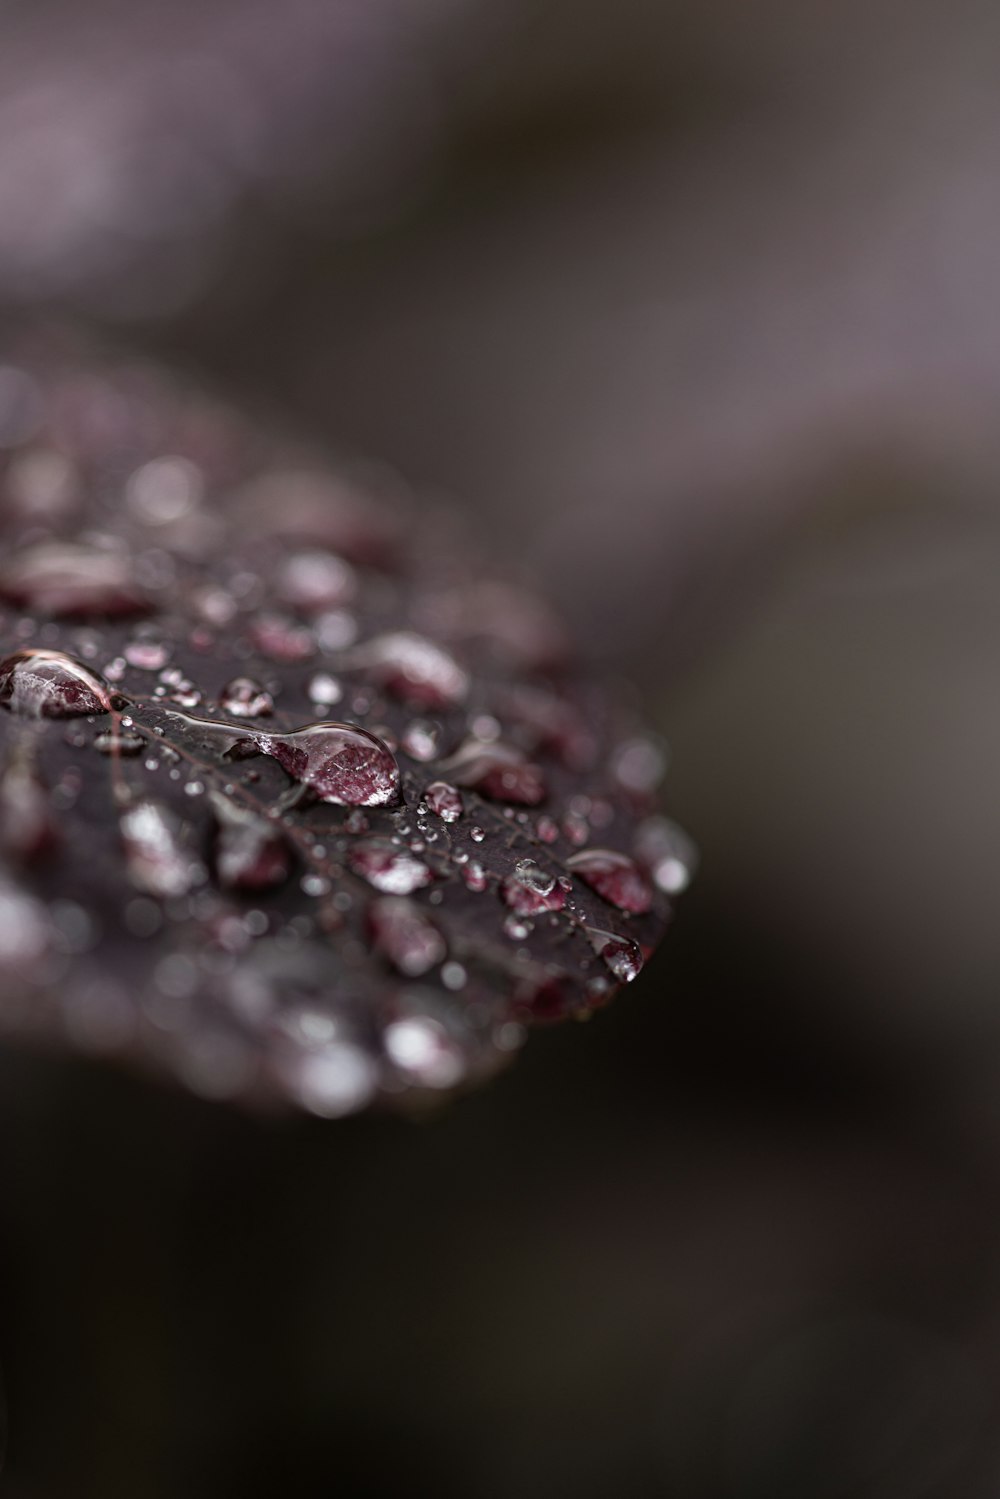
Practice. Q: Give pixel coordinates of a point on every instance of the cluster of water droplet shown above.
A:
(333, 909)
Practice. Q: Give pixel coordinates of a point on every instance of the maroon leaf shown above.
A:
(294, 805)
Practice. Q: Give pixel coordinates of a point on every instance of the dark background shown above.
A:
(693, 307)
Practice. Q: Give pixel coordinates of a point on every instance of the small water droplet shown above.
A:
(668, 853)
(325, 690)
(158, 863)
(65, 579)
(414, 669)
(420, 1048)
(27, 828)
(49, 684)
(392, 870)
(499, 771)
(339, 762)
(250, 854)
(147, 655)
(316, 581)
(115, 742)
(621, 955)
(444, 801)
(615, 878)
(475, 876)
(639, 765)
(516, 928)
(164, 490)
(282, 639)
(477, 835)
(421, 739)
(410, 941)
(531, 890)
(244, 697)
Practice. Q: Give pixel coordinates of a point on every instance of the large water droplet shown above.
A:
(410, 941)
(393, 870)
(61, 578)
(499, 771)
(621, 955)
(615, 878)
(339, 762)
(413, 669)
(49, 684)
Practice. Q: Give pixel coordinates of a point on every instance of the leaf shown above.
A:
(296, 806)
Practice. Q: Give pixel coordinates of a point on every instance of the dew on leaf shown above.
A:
(498, 771)
(245, 697)
(615, 878)
(39, 683)
(414, 669)
(421, 739)
(621, 955)
(444, 801)
(668, 853)
(408, 939)
(531, 890)
(339, 762)
(392, 870)
(158, 863)
(316, 581)
(250, 853)
(68, 579)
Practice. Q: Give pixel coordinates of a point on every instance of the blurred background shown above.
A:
(690, 304)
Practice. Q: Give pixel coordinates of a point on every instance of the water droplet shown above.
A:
(332, 1080)
(668, 853)
(282, 639)
(164, 490)
(420, 1048)
(27, 828)
(531, 890)
(244, 697)
(147, 655)
(64, 579)
(410, 941)
(516, 928)
(421, 739)
(615, 878)
(639, 766)
(453, 976)
(475, 877)
(413, 669)
(444, 801)
(477, 835)
(115, 742)
(314, 581)
(547, 829)
(498, 771)
(339, 762)
(621, 955)
(325, 690)
(249, 853)
(392, 870)
(49, 684)
(158, 863)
